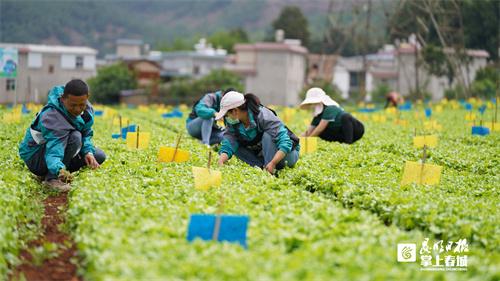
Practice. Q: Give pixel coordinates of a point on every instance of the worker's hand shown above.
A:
(222, 159)
(65, 176)
(215, 113)
(90, 161)
(270, 167)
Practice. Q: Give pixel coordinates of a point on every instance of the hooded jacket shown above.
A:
(51, 128)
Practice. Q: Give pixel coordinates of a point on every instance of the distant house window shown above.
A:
(34, 60)
(89, 62)
(79, 62)
(51, 68)
(355, 78)
(68, 61)
(196, 69)
(11, 85)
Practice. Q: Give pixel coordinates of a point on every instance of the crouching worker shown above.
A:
(255, 134)
(393, 99)
(330, 122)
(58, 141)
(201, 121)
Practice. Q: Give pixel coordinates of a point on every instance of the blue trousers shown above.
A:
(203, 130)
(263, 157)
(72, 159)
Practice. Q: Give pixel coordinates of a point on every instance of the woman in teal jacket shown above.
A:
(255, 134)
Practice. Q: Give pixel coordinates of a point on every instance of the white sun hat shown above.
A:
(317, 95)
(229, 101)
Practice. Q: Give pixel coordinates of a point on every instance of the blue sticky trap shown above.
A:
(405, 107)
(174, 114)
(428, 112)
(98, 113)
(125, 130)
(482, 108)
(232, 228)
(25, 110)
(367, 110)
(468, 106)
(115, 136)
(481, 131)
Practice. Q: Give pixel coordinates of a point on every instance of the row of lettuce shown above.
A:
(21, 207)
(130, 218)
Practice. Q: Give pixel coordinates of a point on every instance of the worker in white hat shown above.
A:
(255, 134)
(330, 121)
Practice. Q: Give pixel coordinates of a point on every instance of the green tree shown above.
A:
(485, 82)
(179, 44)
(183, 88)
(227, 40)
(293, 23)
(110, 80)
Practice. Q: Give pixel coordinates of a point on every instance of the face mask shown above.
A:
(318, 109)
(232, 121)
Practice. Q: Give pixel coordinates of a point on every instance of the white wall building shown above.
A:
(275, 72)
(40, 67)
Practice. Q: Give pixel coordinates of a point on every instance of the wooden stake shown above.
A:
(424, 157)
(120, 120)
(177, 146)
(209, 159)
(218, 219)
(137, 140)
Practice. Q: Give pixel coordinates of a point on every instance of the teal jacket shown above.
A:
(51, 128)
(206, 106)
(266, 121)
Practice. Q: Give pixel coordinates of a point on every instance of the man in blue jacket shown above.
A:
(59, 141)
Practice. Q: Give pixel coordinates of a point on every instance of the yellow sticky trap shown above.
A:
(429, 141)
(183, 107)
(308, 145)
(432, 125)
(493, 126)
(205, 178)
(470, 117)
(13, 117)
(401, 122)
(390, 110)
(415, 172)
(166, 154)
(361, 117)
(288, 114)
(379, 118)
(439, 108)
(109, 113)
(143, 140)
(143, 108)
(116, 121)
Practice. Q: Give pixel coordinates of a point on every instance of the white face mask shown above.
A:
(318, 109)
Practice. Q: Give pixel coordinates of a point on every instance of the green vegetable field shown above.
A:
(339, 214)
